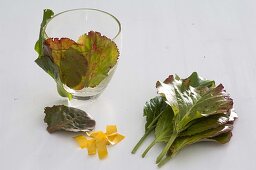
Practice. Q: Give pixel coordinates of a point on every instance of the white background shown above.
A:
(216, 38)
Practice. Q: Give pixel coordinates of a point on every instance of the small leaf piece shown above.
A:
(67, 118)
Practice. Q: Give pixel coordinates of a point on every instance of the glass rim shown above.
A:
(85, 9)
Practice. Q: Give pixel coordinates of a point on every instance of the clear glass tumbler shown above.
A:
(74, 23)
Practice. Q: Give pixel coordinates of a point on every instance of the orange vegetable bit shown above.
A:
(81, 140)
(91, 147)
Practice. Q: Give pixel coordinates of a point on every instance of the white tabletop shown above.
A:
(215, 38)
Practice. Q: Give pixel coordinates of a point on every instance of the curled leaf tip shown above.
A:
(169, 79)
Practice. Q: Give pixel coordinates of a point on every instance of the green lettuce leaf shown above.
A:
(39, 44)
(205, 123)
(73, 67)
(44, 61)
(163, 129)
(67, 118)
(153, 109)
(222, 138)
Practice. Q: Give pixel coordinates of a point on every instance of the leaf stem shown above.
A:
(142, 139)
(155, 120)
(148, 148)
(163, 161)
(62, 92)
(166, 148)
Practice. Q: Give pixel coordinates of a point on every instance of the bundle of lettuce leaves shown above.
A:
(187, 111)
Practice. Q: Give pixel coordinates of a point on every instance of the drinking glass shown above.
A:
(74, 23)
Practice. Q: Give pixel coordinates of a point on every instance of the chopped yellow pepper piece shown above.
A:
(101, 145)
(116, 138)
(111, 129)
(92, 134)
(81, 140)
(100, 135)
(91, 147)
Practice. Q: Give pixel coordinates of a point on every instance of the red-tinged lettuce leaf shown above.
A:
(55, 48)
(68, 119)
(71, 63)
(101, 54)
(194, 80)
(83, 64)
